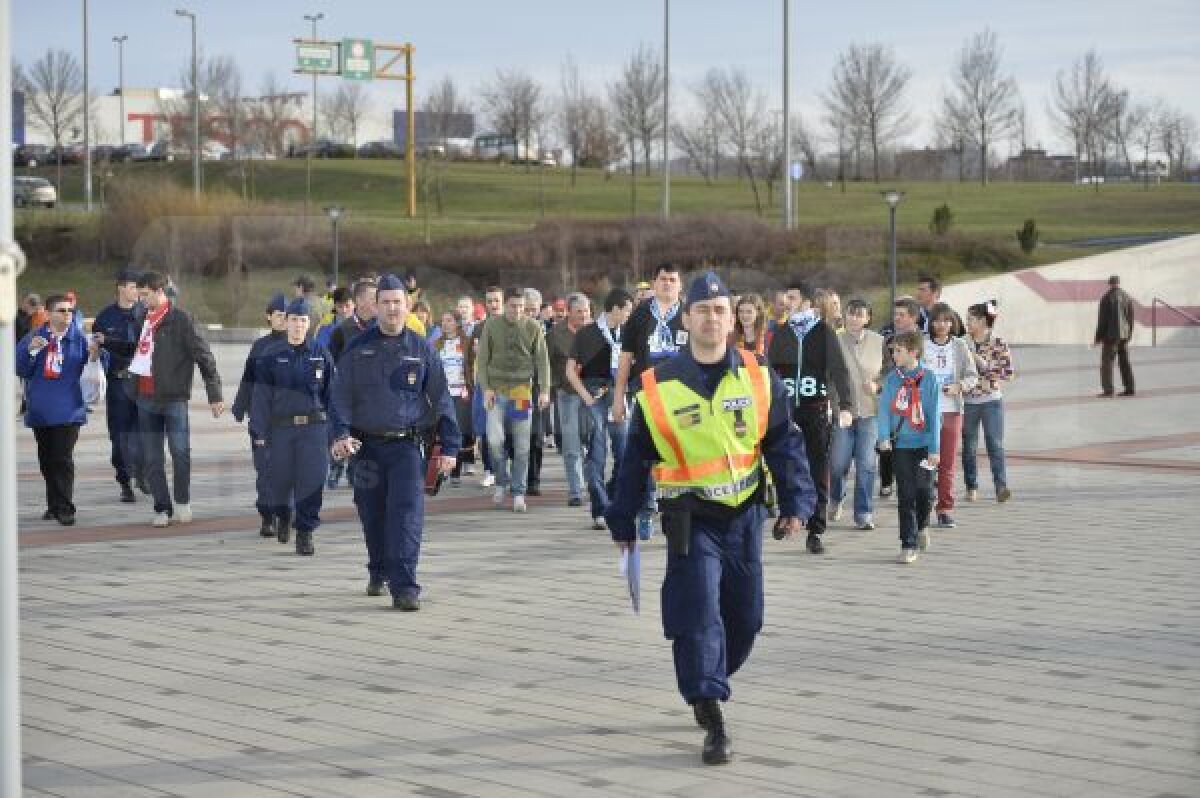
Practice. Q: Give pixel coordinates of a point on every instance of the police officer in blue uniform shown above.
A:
(389, 393)
(712, 596)
(291, 407)
(277, 322)
(116, 329)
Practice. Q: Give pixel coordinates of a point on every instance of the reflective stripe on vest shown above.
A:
(715, 461)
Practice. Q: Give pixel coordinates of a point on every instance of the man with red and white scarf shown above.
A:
(170, 347)
(910, 426)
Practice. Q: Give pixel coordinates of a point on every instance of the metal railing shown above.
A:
(1154, 318)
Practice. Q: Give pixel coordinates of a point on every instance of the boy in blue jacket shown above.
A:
(910, 425)
(51, 359)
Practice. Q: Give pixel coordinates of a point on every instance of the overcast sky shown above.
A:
(1151, 47)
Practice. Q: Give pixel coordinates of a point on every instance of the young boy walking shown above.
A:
(910, 426)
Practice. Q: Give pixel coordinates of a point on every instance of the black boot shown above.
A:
(127, 496)
(267, 529)
(304, 544)
(283, 531)
(718, 749)
(375, 587)
(815, 546)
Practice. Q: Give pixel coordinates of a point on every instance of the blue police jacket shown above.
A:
(245, 391)
(54, 402)
(121, 328)
(290, 381)
(390, 383)
(782, 448)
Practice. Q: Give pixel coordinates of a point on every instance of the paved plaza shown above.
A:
(1046, 647)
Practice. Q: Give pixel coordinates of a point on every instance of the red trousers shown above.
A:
(947, 457)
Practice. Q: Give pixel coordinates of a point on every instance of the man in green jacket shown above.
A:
(512, 352)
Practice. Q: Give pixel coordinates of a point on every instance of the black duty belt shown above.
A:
(300, 420)
(387, 436)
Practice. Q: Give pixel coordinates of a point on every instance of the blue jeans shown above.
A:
(569, 407)
(158, 421)
(991, 415)
(498, 425)
(604, 434)
(856, 444)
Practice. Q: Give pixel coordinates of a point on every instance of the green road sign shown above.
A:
(316, 57)
(358, 59)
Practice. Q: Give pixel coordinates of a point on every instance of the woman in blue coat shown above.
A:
(51, 359)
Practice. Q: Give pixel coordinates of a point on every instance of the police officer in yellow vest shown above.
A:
(706, 421)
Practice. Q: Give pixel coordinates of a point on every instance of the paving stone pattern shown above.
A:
(1046, 647)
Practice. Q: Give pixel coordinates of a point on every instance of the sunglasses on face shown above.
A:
(61, 310)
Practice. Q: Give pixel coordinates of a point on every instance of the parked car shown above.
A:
(160, 150)
(32, 191)
(31, 155)
(380, 149)
(323, 148)
(69, 153)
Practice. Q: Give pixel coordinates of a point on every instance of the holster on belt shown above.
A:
(677, 527)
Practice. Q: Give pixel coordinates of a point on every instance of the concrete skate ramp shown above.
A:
(1056, 304)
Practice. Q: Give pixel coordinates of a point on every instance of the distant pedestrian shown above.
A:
(910, 427)
(950, 360)
(750, 326)
(50, 358)
(304, 287)
(343, 308)
(984, 404)
(856, 443)
(493, 299)
(116, 330)
(454, 348)
(539, 430)
(905, 316)
(929, 293)
(567, 403)
(358, 322)
(1114, 329)
(170, 348)
(512, 359)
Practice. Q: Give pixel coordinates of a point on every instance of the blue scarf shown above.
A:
(662, 332)
(802, 321)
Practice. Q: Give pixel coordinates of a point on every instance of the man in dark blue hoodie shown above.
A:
(116, 329)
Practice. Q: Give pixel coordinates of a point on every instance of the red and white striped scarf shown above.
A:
(907, 404)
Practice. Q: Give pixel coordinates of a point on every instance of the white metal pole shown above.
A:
(10, 691)
(120, 40)
(195, 114)
(787, 120)
(666, 192)
(87, 118)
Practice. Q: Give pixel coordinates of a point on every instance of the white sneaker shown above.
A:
(160, 520)
(835, 512)
(468, 470)
(498, 497)
(598, 523)
(923, 540)
(907, 556)
(488, 480)
(183, 514)
(867, 523)
(519, 504)
(972, 494)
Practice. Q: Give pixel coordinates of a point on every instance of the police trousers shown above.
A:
(298, 465)
(389, 481)
(712, 603)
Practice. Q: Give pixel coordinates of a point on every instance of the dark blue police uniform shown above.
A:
(291, 407)
(121, 327)
(259, 450)
(712, 595)
(389, 393)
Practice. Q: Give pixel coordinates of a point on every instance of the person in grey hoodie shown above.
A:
(951, 361)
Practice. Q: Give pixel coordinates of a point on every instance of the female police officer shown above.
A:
(290, 407)
(706, 419)
(390, 391)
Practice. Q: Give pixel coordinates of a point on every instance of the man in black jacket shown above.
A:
(357, 322)
(806, 355)
(1114, 328)
(170, 347)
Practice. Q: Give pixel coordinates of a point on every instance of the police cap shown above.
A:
(706, 286)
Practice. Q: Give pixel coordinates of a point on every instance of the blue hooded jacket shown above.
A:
(52, 403)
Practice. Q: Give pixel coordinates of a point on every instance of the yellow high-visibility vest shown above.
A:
(709, 447)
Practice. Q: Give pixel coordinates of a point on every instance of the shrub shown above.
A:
(942, 221)
(1027, 236)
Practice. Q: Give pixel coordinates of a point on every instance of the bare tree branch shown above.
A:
(982, 102)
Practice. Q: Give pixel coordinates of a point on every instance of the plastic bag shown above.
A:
(93, 382)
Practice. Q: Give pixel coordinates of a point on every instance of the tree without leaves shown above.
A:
(54, 97)
(1141, 125)
(270, 116)
(514, 102)
(982, 101)
(637, 99)
(441, 105)
(742, 111)
(344, 111)
(867, 94)
(1176, 133)
(1082, 106)
(219, 86)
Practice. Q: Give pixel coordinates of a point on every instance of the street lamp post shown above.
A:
(195, 106)
(120, 40)
(787, 124)
(314, 19)
(666, 198)
(335, 214)
(87, 113)
(892, 197)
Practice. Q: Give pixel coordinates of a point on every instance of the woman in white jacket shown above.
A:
(949, 359)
